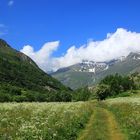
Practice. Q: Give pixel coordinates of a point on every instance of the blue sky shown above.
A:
(72, 22)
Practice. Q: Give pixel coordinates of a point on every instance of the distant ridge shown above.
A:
(91, 72)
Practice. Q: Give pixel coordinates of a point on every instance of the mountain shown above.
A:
(21, 79)
(90, 72)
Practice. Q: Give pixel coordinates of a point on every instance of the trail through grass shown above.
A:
(112, 119)
(127, 114)
(102, 126)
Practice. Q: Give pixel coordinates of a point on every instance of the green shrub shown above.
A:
(114, 86)
(82, 94)
(103, 91)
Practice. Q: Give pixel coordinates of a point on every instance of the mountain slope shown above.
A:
(18, 71)
(90, 72)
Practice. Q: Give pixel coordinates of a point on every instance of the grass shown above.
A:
(113, 119)
(96, 123)
(43, 121)
(127, 113)
(102, 126)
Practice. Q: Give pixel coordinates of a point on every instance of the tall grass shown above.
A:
(127, 112)
(43, 121)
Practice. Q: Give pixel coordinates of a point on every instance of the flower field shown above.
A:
(127, 113)
(43, 121)
(119, 117)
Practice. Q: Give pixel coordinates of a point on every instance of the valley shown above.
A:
(69, 70)
(112, 119)
(36, 106)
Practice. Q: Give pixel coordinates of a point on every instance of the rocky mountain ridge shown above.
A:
(90, 72)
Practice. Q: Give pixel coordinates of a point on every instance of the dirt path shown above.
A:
(102, 126)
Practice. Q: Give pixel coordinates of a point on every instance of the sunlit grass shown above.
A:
(43, 121)
(127, 112)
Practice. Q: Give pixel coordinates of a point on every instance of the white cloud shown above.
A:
(10, 3)
(117, 44)
(43, 56)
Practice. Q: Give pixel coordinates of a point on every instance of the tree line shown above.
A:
(111, 86)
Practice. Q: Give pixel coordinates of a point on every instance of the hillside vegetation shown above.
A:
(22, 80)
(110, 87)
(115, 85)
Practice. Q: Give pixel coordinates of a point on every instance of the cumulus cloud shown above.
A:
(10, 3)
(43, 56)
(117, 44)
